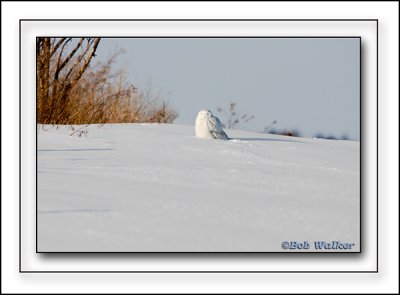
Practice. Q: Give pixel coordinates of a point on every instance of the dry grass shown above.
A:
(99, 97)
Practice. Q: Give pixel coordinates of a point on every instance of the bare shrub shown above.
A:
(293, 132)
(69, 91)
(232, 118)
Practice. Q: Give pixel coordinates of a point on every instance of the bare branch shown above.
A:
(86, 64)
(79, 59)
(68, 58)
(58, 68)
(55, 47)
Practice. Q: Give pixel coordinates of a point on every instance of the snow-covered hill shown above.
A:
(158, 188)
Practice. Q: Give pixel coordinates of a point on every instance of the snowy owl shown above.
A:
(209, 126)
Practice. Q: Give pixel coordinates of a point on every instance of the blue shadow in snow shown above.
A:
(266, 139)
(73, 211)
(76, 150)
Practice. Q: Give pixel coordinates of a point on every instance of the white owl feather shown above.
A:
(209, 126)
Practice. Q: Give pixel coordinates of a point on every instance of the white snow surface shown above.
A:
(158, 188)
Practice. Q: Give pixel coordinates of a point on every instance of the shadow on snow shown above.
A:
(77, 150)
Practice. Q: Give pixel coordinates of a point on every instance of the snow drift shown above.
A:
(158, 188)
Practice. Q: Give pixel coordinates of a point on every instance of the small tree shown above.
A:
(58, 70)
(69, 91)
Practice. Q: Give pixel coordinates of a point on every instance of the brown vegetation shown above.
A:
(72, 91)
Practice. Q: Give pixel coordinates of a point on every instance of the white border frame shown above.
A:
(30, 261)
(386, 281)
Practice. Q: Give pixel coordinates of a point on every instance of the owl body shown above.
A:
(208, 126)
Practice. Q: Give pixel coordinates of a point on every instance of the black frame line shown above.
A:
(360, 136)
(200, 19)
(210, 252)
(210, 37)
(203, 253)
(377, 146)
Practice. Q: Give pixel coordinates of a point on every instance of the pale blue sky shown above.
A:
(311, 85)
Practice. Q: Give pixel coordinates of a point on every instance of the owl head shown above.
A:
(204, 113)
